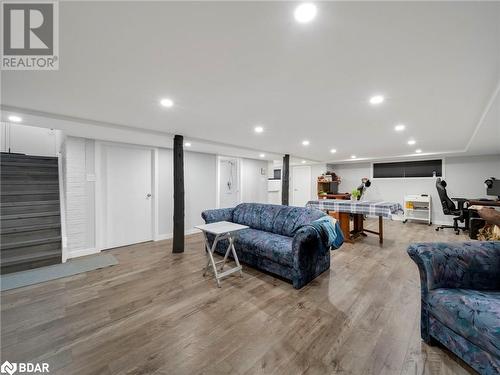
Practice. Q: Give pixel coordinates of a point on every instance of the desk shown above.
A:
(479, 202)
(475, 221)
(335, 196)
(342, 209)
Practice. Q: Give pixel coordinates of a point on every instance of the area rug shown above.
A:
(70, 268)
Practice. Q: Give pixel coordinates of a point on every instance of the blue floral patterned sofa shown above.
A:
(460, 285)
(279, 239)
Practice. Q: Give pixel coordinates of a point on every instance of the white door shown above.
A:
(229, 182)
(127, 199)
(301, 185)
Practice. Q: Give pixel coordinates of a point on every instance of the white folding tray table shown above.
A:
(222, 230)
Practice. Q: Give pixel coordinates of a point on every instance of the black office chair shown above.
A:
(460, 212)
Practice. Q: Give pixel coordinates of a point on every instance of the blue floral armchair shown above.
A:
(460, 287)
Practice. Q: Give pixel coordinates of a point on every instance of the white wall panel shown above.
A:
(79, 194)
(253, 182)
(200, 178)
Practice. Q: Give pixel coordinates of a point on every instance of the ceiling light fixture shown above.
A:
(353, 156)
(399, 127)
(333, 151)
(305, 13)
(262, 155)
(418, 151)
(376, 100)
(166, 102)
(258, 129)
(187, 144)
(305, 143)
(411, 142)
(303, 161)
(15, 118)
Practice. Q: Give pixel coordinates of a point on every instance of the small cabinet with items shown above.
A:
(418, 207)
(328, 186)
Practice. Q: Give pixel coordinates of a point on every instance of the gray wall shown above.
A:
(464, 176)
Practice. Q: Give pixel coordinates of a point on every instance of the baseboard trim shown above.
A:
(161, 237)
(167, 236)
(82, 252)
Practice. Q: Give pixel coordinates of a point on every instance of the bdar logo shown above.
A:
(8, 368)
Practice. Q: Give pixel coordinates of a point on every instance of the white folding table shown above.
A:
(222, 230)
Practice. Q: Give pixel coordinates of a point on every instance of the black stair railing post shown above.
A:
(178, 240)
(285, 180)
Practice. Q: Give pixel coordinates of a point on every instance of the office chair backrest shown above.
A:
(446, 202)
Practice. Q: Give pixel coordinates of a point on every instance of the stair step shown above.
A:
(19, 259)
(29, 243)
(28, 203)
(8, 188)
(33, 250)
(32, 235)
(30, 182)
(27, 172)
(24, 222)
(29, 215)
(16, 156)
(29, 164)
(30, 192)
(16, 210)
(29, 228)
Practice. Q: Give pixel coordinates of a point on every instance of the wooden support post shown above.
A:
(285, 180)
(381, 229)
(178, 241)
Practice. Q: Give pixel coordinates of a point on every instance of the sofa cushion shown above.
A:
(272, 246)
(472, 314)
(283, 220)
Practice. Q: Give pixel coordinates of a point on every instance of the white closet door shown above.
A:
(301, 185)
(127, 195)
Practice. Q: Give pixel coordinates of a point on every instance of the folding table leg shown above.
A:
(235, 256)
(211, 260)
(230, 238)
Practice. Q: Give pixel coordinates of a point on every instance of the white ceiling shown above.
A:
(231, 65)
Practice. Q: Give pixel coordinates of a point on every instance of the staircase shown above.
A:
(30, 232)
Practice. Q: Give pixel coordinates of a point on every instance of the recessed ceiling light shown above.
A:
(377, 99)
(353, 156)
(187, 144)
(411, 142)
(399, 127)
(303, 161)
(15, 118)
(305, 143)
(262, 155)
(305, 12)
(418, 151)
(258, 129)
(333, 151)
(166, 102)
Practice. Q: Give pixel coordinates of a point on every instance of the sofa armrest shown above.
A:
(307, 247)
(220, 214)
(469, 265)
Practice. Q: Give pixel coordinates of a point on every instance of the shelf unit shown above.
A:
(330, 187)
(418, 207)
